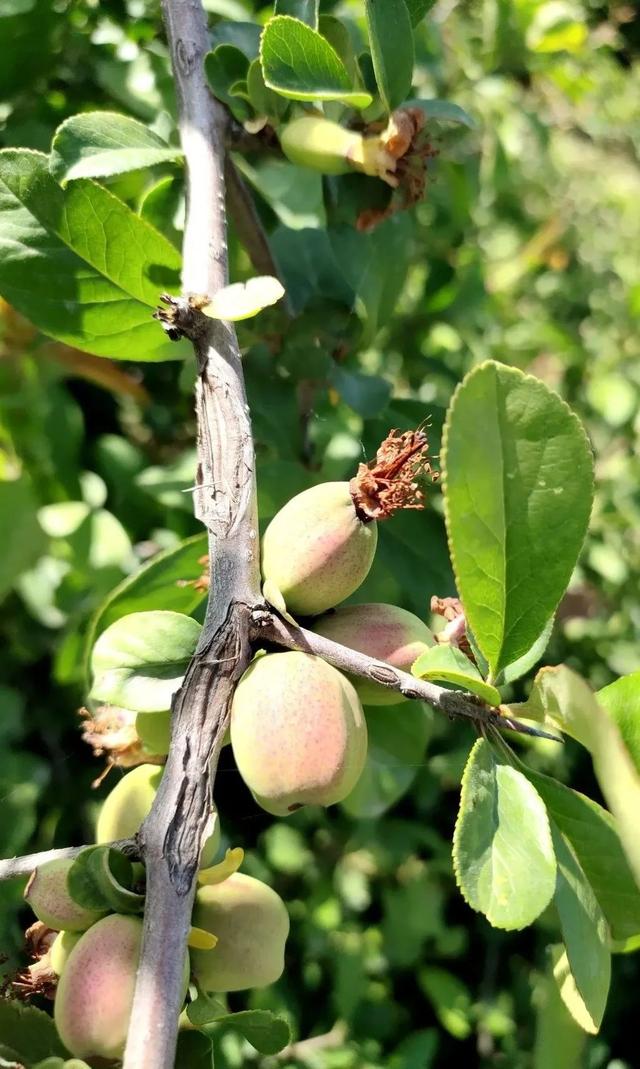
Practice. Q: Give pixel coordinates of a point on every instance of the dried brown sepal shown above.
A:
(110, 732)
(38, 978)
(405, 147)
(455, 633)
(390, 482)
(202, 582)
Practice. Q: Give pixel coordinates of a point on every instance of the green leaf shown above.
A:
(194, 1051)
(305, 10)
(397, 739)
(140, 660)
(391, 39)
(622, 702)
(244, 299)
(559, 1040)
(592, 832)
(375, 267)
(451, 1001)
(225, 67)
(100, 879)
(520, 667)
(21, 539)
(163, 207)
(205, 1009)
(418, 9)
(28, 1031)
(449, 664)
(518, 485)
(99, 143)
(503, 855)
(368, 395)
(584, 930)
(265, 1031)
(563, 701)
(443, 111)
(165, 582)
(569, 993)
(80, 264)
(263, 100)
(299, 64)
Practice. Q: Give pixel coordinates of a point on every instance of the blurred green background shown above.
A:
(526, 250)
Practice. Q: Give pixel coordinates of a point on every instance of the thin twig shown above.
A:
(14, 867)
(270, 627)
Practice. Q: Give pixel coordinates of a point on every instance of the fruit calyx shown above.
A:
(111, 733)
(389, 483)
(39, 978)
(455, 632)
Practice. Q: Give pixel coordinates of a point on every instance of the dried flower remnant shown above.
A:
(111, 733)
(39, 978)
(455, 632)
(391, 482)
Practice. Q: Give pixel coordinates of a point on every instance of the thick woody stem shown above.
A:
(225, 502)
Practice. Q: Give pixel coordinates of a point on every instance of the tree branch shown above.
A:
(225, 501)
(457, 704)
(24, 866)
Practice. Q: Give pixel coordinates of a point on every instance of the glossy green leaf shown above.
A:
(205, 1009)
(263, 100)
(305, 10)
(584, 930)
(398, 736)
(593, 835)
(225, 67)
(140, 660)
(99, 143)
(299, 64)
(266, 1032)
(568, 989)
(28, 1031)
(80, 264)
(518, 488)
(165, 582)
(418, 9)
(443, 111)
(622, 702)
(503, 854)
(523, 665)
(242, 300)
(564, 702)
(391, 41)
(449, 664)
(163, 207)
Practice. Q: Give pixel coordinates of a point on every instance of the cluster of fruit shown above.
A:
(299, 736)
(88, 959)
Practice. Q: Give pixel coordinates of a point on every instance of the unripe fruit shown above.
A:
(251, 923)
(95, 992)
(316, 142)
(61, 948)
(154, 732)
(298, 732)
(129, 803)
(47, 894)
(317, 550)
(384, 632)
